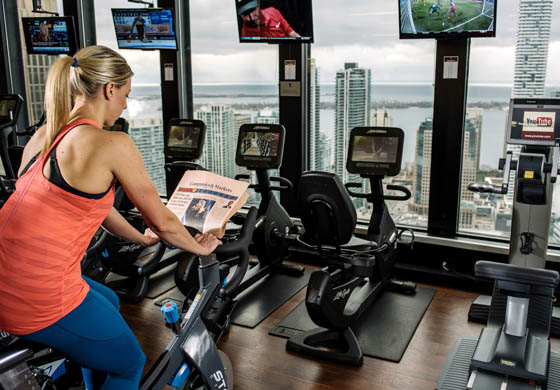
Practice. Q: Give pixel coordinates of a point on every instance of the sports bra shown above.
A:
(58, 180)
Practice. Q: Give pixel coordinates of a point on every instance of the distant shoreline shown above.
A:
(497, 105)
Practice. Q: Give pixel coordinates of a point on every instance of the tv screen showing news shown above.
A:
(144, 28)
(274, 21)
(50, 35)
(534, 121)
(447, 18)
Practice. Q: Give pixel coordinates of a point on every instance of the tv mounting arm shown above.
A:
(148, 3)
(38, 8)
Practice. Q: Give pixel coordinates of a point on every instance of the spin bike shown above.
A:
(191, 360)
(513, 350)
(357, 271)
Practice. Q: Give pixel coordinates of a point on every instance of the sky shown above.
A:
(363, 31)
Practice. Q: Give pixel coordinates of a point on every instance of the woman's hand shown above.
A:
(208, 242)
(150, 238)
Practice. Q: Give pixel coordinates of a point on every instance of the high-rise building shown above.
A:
(36, 66)
(221, 139)
(422, 164)
(147, 134)
(316, 157)
(475, 114)
(381, 117)
(268, 116)
(352, 101)
(531, 48)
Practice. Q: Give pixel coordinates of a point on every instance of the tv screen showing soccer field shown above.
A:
(144, 28)
(447, 18)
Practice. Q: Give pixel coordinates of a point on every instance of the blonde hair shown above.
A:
(84, 74)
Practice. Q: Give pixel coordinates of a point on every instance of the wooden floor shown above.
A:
(261, 361)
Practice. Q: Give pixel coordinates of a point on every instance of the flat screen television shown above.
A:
(50, 35)
(533, 121)
(274, 21)
(447, 18)
(144, 28)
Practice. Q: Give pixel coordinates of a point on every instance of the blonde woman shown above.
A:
(64, 193)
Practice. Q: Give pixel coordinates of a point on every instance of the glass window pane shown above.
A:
(366, 76)
(233, 83)
(144, 111)
(517, 70)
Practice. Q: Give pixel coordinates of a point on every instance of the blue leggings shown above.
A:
(96, 336)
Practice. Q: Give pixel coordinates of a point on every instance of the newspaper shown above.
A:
(206, 201)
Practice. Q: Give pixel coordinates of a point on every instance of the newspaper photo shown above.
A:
(206, 201)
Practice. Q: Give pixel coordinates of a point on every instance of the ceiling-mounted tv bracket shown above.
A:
(148, 3)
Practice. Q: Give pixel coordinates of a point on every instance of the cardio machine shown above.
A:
(531, 126)
(513, 351)
(191, 360)
(10, 106)
(131, 264)
(259, 148)
(356, 272)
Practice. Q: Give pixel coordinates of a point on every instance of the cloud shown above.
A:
(364, 31)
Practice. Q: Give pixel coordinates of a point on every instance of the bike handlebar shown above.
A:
(393, 187)
(486, 188)
(239, 247)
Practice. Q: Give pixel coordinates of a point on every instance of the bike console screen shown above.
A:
(375, 151)
(534, 122)
(184, 139)
(9, 109)
(260, 146)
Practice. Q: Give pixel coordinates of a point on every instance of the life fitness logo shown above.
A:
(538, 125)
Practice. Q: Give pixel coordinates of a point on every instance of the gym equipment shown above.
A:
(532, 124)
(191, 360)
(355, 274)
(259, 148)
(513, 350)
(132, 265)
(10, 106)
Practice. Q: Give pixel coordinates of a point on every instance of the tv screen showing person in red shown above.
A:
(267, 22)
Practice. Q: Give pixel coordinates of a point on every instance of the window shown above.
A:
(144, 105)
(511, 72)
(367, 76)
(233, 83)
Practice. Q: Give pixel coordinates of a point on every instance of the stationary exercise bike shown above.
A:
(123, 266)
(513, 351)
(259, 148)
(191, 360)
(356, 272)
